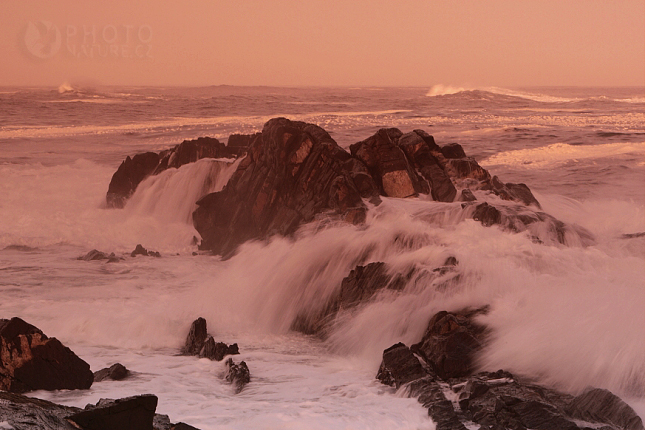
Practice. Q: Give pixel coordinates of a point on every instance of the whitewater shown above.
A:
(565, 315)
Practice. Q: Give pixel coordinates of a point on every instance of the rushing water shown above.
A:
(566, 316)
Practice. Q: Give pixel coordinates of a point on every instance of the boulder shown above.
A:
(291, 173)
(399, 366)
(599, 405)
(130, 413)
(116, 372)
(196, 337)
(237, 374)
(451, 341)
(32, 361)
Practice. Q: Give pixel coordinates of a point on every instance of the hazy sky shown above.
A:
(323, 42)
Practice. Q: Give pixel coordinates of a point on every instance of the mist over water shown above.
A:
(569, 316)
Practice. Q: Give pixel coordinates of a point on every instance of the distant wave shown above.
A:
(444, 90)
(557, 153)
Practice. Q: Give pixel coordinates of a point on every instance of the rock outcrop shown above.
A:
(294, 172)
(438, 371)
(29, 360)
(134, 170)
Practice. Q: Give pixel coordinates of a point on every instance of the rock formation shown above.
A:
(439, 372)
(29, 360)
(200, 343)
(116, 372)
(237, 374)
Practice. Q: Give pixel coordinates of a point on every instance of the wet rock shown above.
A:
(28, 413)
(598, 405)
(516, 192)
(239, 143)
(217, 350)
(237, 374)
(451, 341)
(399, 366)
(130, 413)
(183, 426)
(116, 372)
(128, 176)
(453, 150)
(32, 361)
(140, 250)
(291, 173)
(388, 164)
(134, 170)
(196, 337)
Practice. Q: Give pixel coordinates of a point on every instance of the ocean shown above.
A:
(564, 315)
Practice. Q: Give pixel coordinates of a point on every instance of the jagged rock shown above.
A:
(116, 372)
(140, 250)
(388, 164)
(292, 172)
(28, 413)
(32, 361)
(399, 366)
(134, 170)
(196, 337)
(239, 143)
(516, 192)
(237, 374)
(598, 405)
(217, 350)
(130, 413)
(453, 150)
(418, 147)
(451, 341)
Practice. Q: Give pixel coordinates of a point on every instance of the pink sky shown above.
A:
(323, 42)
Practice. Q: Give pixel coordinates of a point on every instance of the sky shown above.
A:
(506, 43)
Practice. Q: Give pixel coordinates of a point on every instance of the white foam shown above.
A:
(551, 155)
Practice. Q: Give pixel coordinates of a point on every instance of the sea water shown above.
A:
(567, 316)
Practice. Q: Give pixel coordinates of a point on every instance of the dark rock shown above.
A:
(161, 422)
(467, 195)
(416, 147)
(468, 168)
(453, 150)
(21, 248)
(239, 143)
(517, 192)
(116, 372)
(183, 426)
(27, 413)
(388, 164)
(633, 235)
(94, 255)
(237, 374)
(292, 172)
(217, 350)
(128, 176)
(32, 361)
(196, 337)
(451, 341)
(140, 250)
(487, 214)
(598, 405)
(130, 413)
(399, 366)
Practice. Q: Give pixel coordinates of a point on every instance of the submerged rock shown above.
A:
(130, 413)
(237, 374)
(140, 250)
(116, 372)
(95, 255)
(217, 350)
(32, 361)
